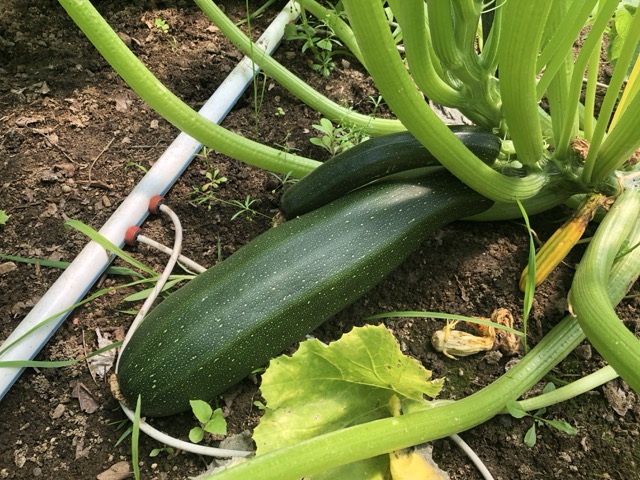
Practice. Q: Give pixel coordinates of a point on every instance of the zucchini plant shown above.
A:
(499, 64)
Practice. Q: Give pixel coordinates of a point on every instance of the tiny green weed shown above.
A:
(4, 217)
(530, 438)
(336, 139)
(211, 421)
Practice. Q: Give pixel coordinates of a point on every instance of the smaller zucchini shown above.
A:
(374, 159)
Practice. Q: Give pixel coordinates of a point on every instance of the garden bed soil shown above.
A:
(74, 140)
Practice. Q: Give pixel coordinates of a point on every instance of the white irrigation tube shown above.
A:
(30, 336)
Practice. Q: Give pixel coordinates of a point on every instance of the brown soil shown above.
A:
(73, 142)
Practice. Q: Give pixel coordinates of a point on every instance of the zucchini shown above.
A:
(374, 159)
(240, 313)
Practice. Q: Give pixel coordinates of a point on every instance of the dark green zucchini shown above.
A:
(247, 309)
(374, 159)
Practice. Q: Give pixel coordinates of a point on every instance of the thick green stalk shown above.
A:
(398, 89)
(522, 29)
(561, 42)
(308, 95)
(416, 43)
(163, 101)
(563, 144)
(489, 54)
(558, 90)
(594, 162)
(588, 296)
(573, 389)
(443, 39)
(620, 144)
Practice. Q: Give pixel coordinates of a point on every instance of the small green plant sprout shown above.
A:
(206, 192)
(336, 139)
(282, 181)
(211, 421)
(4, 217)
(129, 165)
(244, 208)
(377, 103)
(320, 40)
(280, 112)
(163, 28)
(515, 410)
(157, 451)
(161, 25)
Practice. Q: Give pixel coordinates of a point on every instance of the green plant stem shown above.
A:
(588, 296)
(597, 167)
(489, 55)
(561, 42)
(306, 94)
(523, 26)
(585, 384)
(169, 106)
(620, 144)
(417, 43)
(591, 43)
(558, 88)
(398, 89)
(375, 438)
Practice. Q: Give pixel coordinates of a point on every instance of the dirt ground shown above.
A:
(74, 140)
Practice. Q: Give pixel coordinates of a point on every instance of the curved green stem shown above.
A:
(584, 384)
(523, 26)
(592, 42)
(489, 55)
(398, 89)
(588, 296)
(416, 37)
(561, 43)
(620, 144)
(308, 95)
(163, 101)
(593, 161)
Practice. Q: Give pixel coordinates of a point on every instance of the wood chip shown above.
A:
(117, 471)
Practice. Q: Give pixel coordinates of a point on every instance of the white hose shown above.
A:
(91, 262)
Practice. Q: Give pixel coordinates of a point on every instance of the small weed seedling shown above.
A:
(336, 139)
(163, 28)
(157, 451)
(211, 421)
(320, 40)
(129, 165)
(516, 411)
(3, 217)
(244, 208)
(280, 112)
(213, 180)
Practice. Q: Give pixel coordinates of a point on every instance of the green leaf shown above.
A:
(562, 426)
(217, 425)
(202, 410)
(515, 409)
(530, 436)
(549, 387)
(196, 434)
(3, 217)
(326, 388)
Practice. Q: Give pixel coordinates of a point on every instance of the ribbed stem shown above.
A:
(589, 298)
(523, 26)
(398, 89)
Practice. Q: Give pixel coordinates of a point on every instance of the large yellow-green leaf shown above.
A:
(321, 388)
